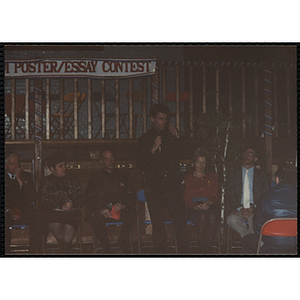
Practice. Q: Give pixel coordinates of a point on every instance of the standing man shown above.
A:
(109, 194)
(158, 159)
(20, 198)
(280, 202)
(244, 188)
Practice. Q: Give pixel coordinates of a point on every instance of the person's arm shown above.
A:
(145, 158)
(127, 192)
(47, 195)
(259, 217)
(188, 194)
(92, 196)
(27, 191)
(77, 196)
(213, 190)
(265, 184)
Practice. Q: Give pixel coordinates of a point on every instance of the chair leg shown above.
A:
(219, 240)
(44, 241)
(131, 243)
(94, 241)
(228, 244)
(79, 238)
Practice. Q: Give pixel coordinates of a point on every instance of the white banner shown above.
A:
(95, 68)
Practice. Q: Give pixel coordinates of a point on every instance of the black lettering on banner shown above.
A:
(126, 66)
(7, 68)
(103, 67)
(61, 65)
(39, 69)
(119, 66)
(68, 66)
(17, 66)
(88, 67)
(94, 64)
(75, 67)
(47, 67)
(140, 66)
(82, 66)
(31, 67)
(132, 69)
(53, 66)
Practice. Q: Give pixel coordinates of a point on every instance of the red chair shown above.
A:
(284, 227)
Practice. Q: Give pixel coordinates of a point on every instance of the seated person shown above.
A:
(109, 195)
(244, 188)
(280, 202)
(61, 197)
(20, 198)
(201, 198)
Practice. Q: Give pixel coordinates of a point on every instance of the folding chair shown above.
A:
(234, 240)
(281, 227)
(24, 231)
(113, 246)
(20, 247)
(146, 223)
(76, 242)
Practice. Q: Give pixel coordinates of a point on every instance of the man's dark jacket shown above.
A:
(234, 188)
(280, 202)
(16, 197)
(106, 189)
(166, 159)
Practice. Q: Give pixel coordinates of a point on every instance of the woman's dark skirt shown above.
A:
(72, 217)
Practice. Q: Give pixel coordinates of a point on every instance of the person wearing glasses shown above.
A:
(243, 191)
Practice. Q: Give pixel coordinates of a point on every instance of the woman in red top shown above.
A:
(202, 202)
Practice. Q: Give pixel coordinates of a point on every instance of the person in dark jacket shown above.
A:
(240, 203)
(20, 198)
(110, 198)
(280, 202)
(158, 156)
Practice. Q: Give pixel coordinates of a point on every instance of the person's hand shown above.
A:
(68, 205)
(243, 212)
(251, 210)
(157, 143)
(118, 206)
(18, 174)
(106, 213)
(201, 206)
(174, 131)
(205, 205)
(247, 212)
(16, 216)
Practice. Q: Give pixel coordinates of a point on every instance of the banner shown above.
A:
(93, 68)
